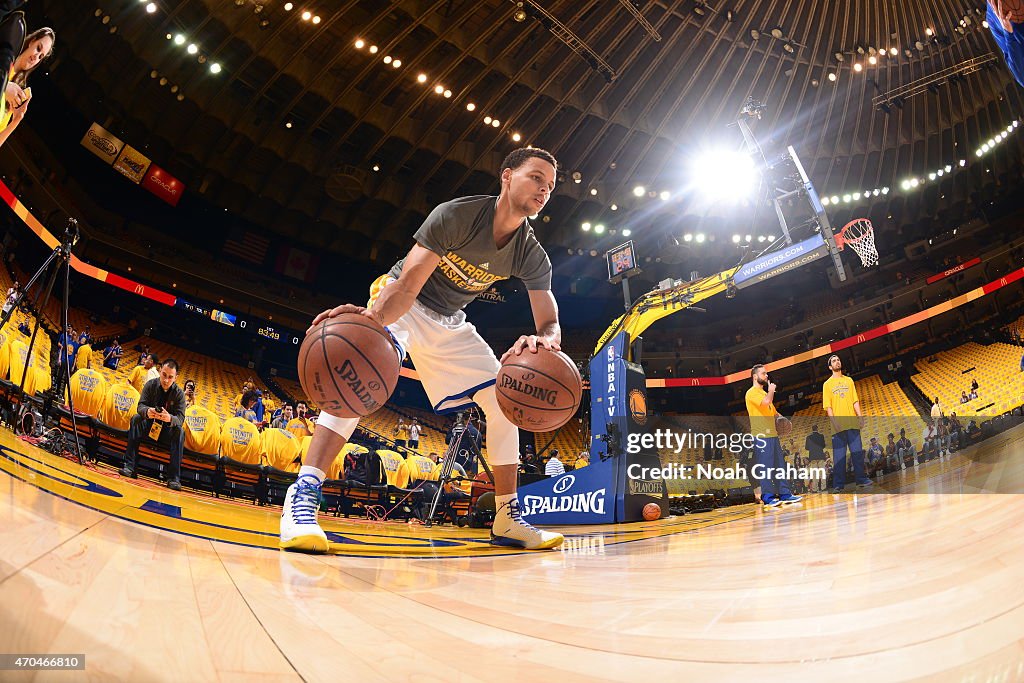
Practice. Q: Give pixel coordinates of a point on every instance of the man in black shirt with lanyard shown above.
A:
(161, 414)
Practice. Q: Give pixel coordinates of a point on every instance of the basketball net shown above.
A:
(859, 236)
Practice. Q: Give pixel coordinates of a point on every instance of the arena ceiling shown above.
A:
(313, 137)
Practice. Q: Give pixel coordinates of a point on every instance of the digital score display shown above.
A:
(622, 262)
(258, 327)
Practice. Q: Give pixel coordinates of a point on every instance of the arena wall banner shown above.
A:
(132, 164)
(163, 185)
(954, 270)
(102, 143)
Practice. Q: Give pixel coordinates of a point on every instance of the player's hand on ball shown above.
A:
(531, 342)
(339, 310)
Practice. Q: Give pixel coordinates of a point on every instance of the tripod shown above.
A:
(59, 259)
(448, 464)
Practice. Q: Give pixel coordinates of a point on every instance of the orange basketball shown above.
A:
(783, 426)
(539, 392)
(348, 365)
(652, 511)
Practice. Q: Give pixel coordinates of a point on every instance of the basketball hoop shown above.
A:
(860, 236)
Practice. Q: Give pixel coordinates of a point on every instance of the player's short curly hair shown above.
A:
(518, 157)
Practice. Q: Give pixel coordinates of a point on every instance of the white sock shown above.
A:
(310, 470)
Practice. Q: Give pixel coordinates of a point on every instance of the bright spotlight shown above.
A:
(700, 237)
(586, 227)
(192, 48)
(639, 191)
(666, 195)
(215, 68)
(824, 201)
(760, 238)
(599, 229)
(687, 237)
(151, 7)
(747, 238)
(835, 199)
(735, 239)
(179, 39)
(847, 198)
(627, 232)
(725, 174)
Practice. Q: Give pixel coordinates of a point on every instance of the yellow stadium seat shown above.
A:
(280, 447)
(119, 406)
(5, 353)
(202, 430)
(240, 441)
(88, 391)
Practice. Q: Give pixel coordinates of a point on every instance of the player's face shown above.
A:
(835, 365)
(530, 186)
(762, 377)
(34, 52)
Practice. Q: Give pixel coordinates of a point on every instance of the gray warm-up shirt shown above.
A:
(461, 232)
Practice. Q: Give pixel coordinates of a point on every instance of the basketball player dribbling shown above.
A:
(463, 247)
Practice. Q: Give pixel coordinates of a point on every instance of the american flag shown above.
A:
(246, 245)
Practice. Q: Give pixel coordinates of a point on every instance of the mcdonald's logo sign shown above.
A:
(861, 338)
(1003, 282)
(140, 289)
(694, 382)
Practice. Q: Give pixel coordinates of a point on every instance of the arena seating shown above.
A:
(996, 367)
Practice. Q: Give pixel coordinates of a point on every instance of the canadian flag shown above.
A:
(298, 264)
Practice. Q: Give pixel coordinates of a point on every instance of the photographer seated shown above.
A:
(161, 413)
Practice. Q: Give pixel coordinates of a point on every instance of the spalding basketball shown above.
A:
(539, 392)
(783, 426)
(348, 365)
(652, 511)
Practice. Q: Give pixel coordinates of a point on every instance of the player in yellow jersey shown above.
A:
(768, 459)
(839, 397)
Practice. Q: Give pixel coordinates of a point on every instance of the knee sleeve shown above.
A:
(502, 435)
(343, 426)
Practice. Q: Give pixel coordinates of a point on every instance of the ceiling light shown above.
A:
(614, 207)
(447, 93)
(307, 15)
(627, 232)
(847, 198)
(181, 98)
(151, 8)
(288, 7)
(700, 237)
(397, 63)
(487, 120)
(666, 195)
(931, 176)
(179, 39)
(832, 77)
(495, 123)
(760, 238)
(169, 36)
(687, 237)
(288, 124)
(422, 78)
(824, 201)
(894, 51)
(192, 48)
(470, 106)
(872, 60)
(754, 34)
(839, 56)
(586, 227)
(747, 238)
(929, 32)
(376, 168)
(639, 191)
(316, 20)
(215, 68)
(439, 89)
(360, 44)
(835, 199)
(856, 196)
(735, 239)
(885, 190)
(857, 67)
(788, 48)
(599, 229)
(777, 32)
(516, 137)
(373, 49)
(387, 59)
(519, 15)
